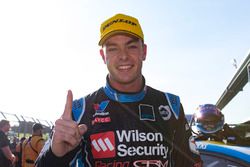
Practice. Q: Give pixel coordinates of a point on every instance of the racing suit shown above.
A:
(147, 128)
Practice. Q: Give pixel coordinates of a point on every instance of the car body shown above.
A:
(219, 154)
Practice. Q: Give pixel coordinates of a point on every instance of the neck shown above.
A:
(132, 87)
(36, 135)
(125, 96)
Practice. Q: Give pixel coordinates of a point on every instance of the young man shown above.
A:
(32, 146)
(125, 123)
(7, 159)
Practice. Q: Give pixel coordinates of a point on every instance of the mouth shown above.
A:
(125, 67)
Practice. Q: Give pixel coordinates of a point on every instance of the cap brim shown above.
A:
(112, 33)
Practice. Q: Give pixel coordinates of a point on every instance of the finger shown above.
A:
(67, 114)
(69, 134)
(82, 129)
(62, 138)
(65, 124)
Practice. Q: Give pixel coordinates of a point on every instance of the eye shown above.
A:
(132, 46)
(112, 49)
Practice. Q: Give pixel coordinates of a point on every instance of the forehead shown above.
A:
(120, 38)
(7, 125)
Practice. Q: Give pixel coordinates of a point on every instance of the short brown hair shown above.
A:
(4, 122)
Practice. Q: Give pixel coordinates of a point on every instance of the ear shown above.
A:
(144, 52)
(103, 56)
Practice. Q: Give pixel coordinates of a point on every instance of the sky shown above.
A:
(50, 46)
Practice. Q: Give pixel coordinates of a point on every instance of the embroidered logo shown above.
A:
(101, 107)
(103, 145)
(101, 116)
(146, 112)
(165, 112)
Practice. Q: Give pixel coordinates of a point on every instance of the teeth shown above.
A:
(124, 67)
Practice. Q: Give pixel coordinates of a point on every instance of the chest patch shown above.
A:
(101, 115)
(146, 112)
(165, 112)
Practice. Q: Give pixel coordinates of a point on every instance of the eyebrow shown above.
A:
(132, 41)
(127, 43)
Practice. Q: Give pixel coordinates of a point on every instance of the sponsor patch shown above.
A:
(103, 145)
(130, 143)
(165, 112)
(150, 144)
(101, 116)
(151, 163)
(101, 120)
(146, 112)
(101, 107)
(114, 163)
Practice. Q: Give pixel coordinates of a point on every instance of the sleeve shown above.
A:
(47, 158)
(185, 152)
(3, 140)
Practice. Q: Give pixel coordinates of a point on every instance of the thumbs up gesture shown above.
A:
(67, 133)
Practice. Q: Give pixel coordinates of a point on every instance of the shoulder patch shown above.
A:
(78, 109)
(174, 103)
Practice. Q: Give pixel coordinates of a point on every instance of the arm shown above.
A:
(8, 154)
(65, 142)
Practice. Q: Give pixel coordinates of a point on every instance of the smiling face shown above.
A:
(123, 56)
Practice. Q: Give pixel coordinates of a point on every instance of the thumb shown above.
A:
(82, 128)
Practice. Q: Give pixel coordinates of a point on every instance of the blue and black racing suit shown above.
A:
(142, 129)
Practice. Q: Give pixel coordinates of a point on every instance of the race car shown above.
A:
(220, 144)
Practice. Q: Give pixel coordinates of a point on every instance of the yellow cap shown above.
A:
(120, 23)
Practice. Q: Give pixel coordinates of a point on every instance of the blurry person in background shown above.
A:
(32, 146)
(7, 159)
(19, 152)
(13, 145)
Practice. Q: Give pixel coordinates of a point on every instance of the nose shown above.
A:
(123, 54)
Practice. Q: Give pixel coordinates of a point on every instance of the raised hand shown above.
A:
(67, 133)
